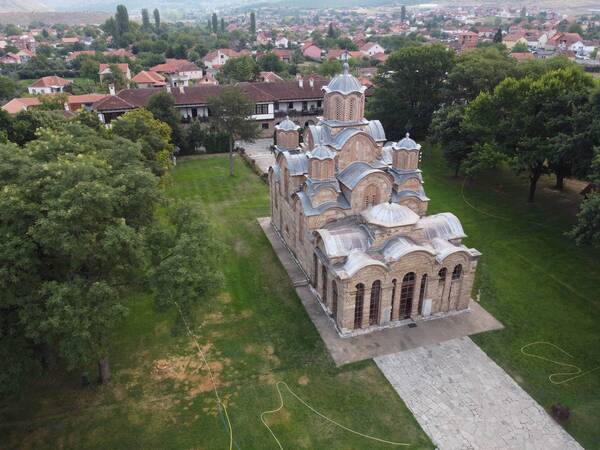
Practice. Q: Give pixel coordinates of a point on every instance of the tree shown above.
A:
(222, 25)
(89, 69)
(587, 229)
(215, 23)
(184, 258)
(243, 68)
(76, 204)
(481, 69)
(410, 87)
(231, 113)
(330, 67)
(446, 130)
(403, 14)
(498, 36)
(121, 24)
(8, 88)
(162, 106)
(145, 20)
(116, 77)
(523, 118)
(153, 136)
(252, 24)
(331, 31)
(270, 62)
(520, 47)
(156, 14)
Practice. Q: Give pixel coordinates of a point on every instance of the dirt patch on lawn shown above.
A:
(240, 246)
(303, 380)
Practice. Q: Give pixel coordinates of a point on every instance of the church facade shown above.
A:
(352, 209)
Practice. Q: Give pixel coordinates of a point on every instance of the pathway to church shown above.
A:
(260, 152)
(464, 400)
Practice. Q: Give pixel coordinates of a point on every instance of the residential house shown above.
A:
(371, 49)
(49, 85)
(283, 54)
(179, 72)
(217, 58)
(104, 70)
(74, 103)
(149, 79)
(467, 40)
(281, 42)
(311, 51)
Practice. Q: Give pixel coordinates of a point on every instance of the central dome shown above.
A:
(345, 83)
(390, 215)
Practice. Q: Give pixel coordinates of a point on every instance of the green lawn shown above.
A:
(255, 333)
(534, 280)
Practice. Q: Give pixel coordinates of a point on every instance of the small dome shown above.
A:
(390, 215)
(345, 83)
(321, 152)
(407, 144)
(287, 125)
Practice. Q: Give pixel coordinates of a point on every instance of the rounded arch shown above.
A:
(407, 293)
(457, 272)
(375, 302)
(359, 297)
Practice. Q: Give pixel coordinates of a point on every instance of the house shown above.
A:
(74, 55)
(178, 72)
(565, 41)
(49, 85)
(281, 42)
(262, 38)
(311, 51)
(301, 99)
(269, 77)
(467, 40)
(74, 102)
(10, 58)
(104, 70)
(371, 48)
(285, 55)
(217, 58)
(513, 39)
(149, 79)
(352, 209)
(69, 40)
(16, 105)
(522, 56)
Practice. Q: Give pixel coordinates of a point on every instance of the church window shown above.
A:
(407, 292)
(392, 314)
(375, 301)
(352, 109)
(422, 292)
(324, 283)
(358, 305)
(457, 272)
(371, 196)
(334, 298)
(339, 109)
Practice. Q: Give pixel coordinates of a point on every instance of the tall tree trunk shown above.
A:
(456, 169)
(230, 155)
(533, 179)
(104, 370)
(560, 180)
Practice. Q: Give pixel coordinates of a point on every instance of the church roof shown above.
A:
(400, 246)
(390, 215)
(341, 241)
(321, 152)
(443, 225)
(345, 83)
(376, 130)
(297, 163)
(407, 144)
(287, 125)
(355, 172)
(356, 261)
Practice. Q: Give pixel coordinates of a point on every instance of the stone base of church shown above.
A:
(357, 345)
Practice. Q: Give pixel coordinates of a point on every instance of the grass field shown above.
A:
(256, 332)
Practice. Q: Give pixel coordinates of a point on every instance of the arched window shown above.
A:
(339, 109)
(358, 305)
(392, 313)
(324, 283)
(334, 298)
(352, 109)
(371, 196)
(442, 276)
(315, 270)
(457, 272)
(407, 292)
(375, 301)
(422, 292)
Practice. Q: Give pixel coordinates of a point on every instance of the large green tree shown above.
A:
(231, 112)
(410, 87)
(253, 23)
(162, 106)
(243, 68)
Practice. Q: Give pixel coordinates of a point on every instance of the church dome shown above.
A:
(390, 215)
(287, 125)
(344, 83)
(321, 152)
(407, 144)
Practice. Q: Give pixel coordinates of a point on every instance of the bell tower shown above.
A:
(287, 134)
(344, 99)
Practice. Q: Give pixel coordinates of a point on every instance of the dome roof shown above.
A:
(321, 152)
(287, 125)
(390, 215)
(407, 144)
(344, 83)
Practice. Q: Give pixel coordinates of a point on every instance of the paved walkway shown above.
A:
(260, 152)
(463, 400)
(381, 342)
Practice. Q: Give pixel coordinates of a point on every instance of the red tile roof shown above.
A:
(51, 81)
(172, 65)
(148, 76)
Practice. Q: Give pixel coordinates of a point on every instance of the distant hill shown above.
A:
(22, 6)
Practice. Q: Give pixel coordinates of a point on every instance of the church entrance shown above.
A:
(358, 305)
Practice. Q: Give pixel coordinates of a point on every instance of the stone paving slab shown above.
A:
(345, 350)
(260, 152)
(464, 400)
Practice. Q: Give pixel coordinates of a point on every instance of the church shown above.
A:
(352, 209)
